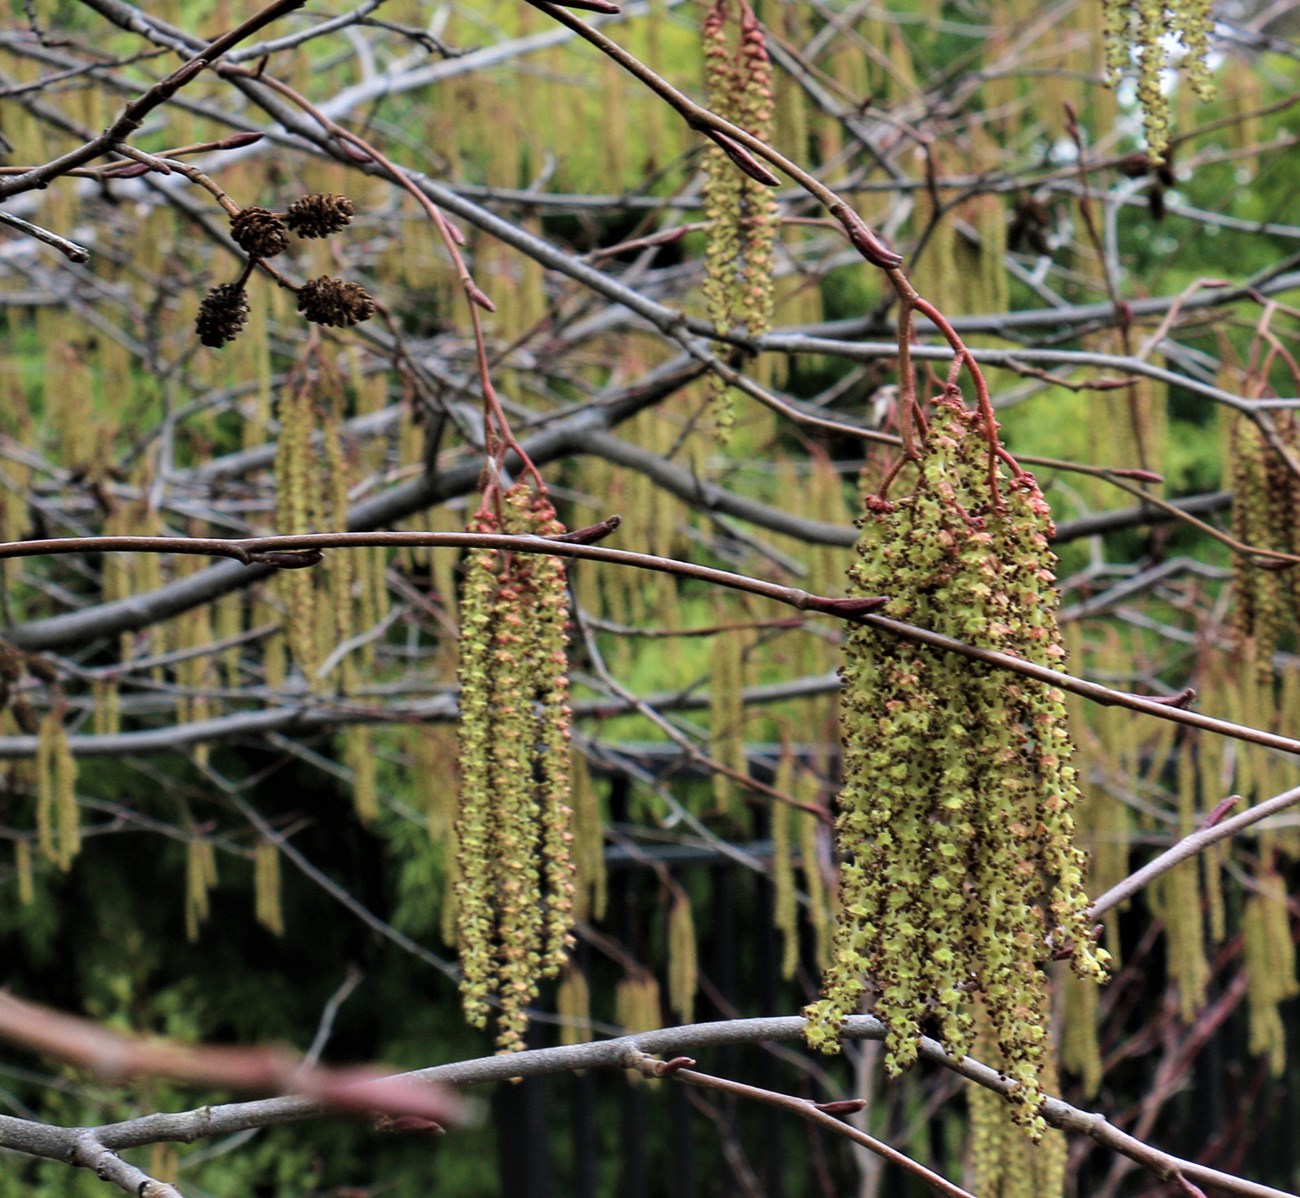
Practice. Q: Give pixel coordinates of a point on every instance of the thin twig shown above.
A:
(290, 551)
(805, 1109)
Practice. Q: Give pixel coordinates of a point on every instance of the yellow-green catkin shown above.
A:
(475, 897)
(228, 621)
(297, 504)
(820, 898)
(359, 756)
(784, 902)
(433, 754)
(723, 190)
(107, 717)
(1266, 496)
(743, 219)
(573, 1005)
(514, 831)
(275, 660)
(266, 887)
(960, 873)
(45, 788)
(683, 962)
(636, 1003)
(1145, 30)
(58, 818)
(65, 797)
(1270, 966)
(200, 877)
(588, 843)
(937, 262)
(339, 568)
(449, 916)
(163, 1159)
(1004, 1164)
(1177, 901)
(23, 868)
(192, 632)
(1102, 819)
(1213, 858)
(1080, 1039)
(727, 716)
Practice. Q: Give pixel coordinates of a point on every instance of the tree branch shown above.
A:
(187, 1126)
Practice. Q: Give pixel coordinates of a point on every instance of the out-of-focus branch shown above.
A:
(117, 1057)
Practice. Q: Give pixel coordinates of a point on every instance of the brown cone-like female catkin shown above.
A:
(319, 215)
(259, 232)
(222, 314)
(335, 302)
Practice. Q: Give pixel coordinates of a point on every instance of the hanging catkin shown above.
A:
(1266, 498)
(727, 716)
(1080, 1043)
(297, 502)
(573, 1005)
(359, 757)
(515, 886)
(1149, 28)
(1003, 1162)
(1177, 900)
(1270, 966)
(956, 827)
(266, 887)
(683, 964)
(784, 903)
(820, 898)
(588, 843)
(23, 868)
(58, 817)
(636, 1003)
(742, 216)
(200, 877)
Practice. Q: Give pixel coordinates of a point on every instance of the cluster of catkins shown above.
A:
(1148, 29)
(960, 876)
(263, 234)
(515, 888)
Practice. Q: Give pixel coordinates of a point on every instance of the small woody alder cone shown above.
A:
(259, 232)
(222, 315)
(335, 302)
(319, 215)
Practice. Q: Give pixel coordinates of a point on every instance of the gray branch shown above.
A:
(187, 1126)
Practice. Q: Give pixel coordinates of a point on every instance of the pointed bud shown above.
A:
(864, 240)
(743, 159)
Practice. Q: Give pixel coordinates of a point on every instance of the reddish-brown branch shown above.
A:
(679, 1069)
(117, 1057)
